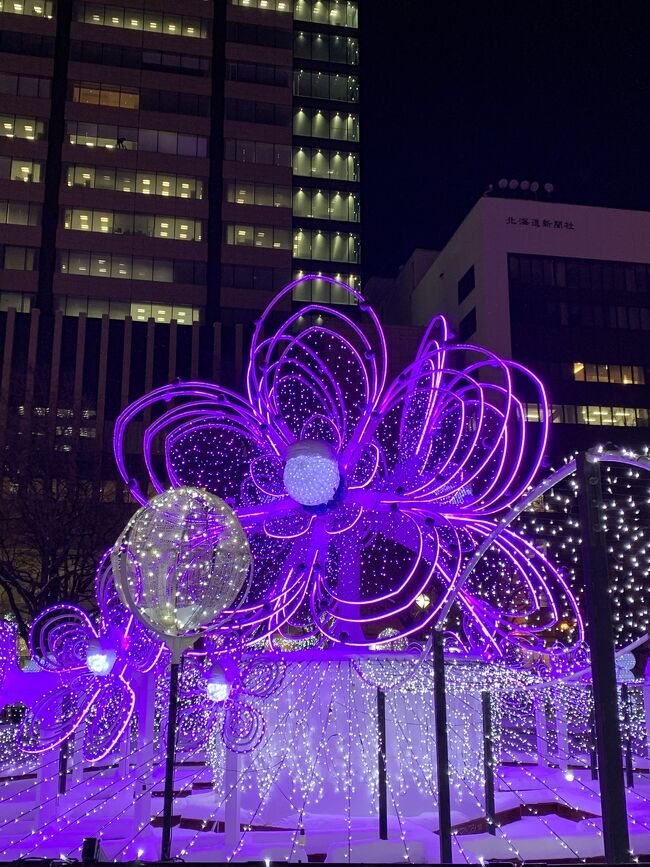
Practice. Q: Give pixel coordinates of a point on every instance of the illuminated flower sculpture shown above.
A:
(211, 693)
(363, 501)
(96, 667)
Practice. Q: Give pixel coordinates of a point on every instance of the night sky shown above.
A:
(457, 95)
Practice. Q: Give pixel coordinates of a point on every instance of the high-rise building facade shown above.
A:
(165, 167)
(176, 161)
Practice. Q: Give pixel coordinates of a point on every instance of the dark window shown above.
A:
(466, 284)
(273, 37)
(114, 367)
(257, 112)
(26, 43)
(467, 325)
(138, 360)
(133, 58)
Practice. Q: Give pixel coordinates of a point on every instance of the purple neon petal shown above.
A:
(293, 523)
(266, 472)
(342, 518)
(319, 427)
(111, 714)
(58, 714)
(59, 638)
(214, 455)
(368, 462)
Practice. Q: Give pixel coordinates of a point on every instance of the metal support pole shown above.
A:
(601, 643)
(168, 800)
(381, 763)
(442, 748)
(629, 763)
(231, 823)
(142, 785)
(593, 755)
(562, 732)
(541, 730)
(63, 765)
(488, 763)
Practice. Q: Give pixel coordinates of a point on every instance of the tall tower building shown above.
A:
(165, 167)
(176, 161)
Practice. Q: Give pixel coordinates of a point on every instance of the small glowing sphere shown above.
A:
(626, 661)
(311, 473)
(423, 601)
(100, 660)
(569, 776)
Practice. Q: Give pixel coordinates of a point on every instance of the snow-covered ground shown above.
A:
(549, 817)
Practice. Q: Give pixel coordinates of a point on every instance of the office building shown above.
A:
(165, 167)
(176, 160)
(564, 289)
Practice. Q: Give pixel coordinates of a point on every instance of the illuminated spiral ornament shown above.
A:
(262, 677)
(243, 728)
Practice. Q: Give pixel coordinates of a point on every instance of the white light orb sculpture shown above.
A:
(311, 473)
(180, 561)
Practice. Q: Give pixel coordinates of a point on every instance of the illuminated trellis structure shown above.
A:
(375, 512)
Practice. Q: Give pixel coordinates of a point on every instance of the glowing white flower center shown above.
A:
(99, 660)
(311, 473)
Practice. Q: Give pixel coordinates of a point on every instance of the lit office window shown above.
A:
(126, 181)
(13, 126)
(270, 237)
(323, 163)
(143, 311)
(140, 311)
(35, 8)
(20, 301)
(13, 169)
(254, 193)
(322, 291)
(150, 21)
(318, 123)
(339, 13)
(98, 94)
(592, 415)
(327, 246)
(617, 374)
(268, 5)
(118, 223)
(326, 205)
